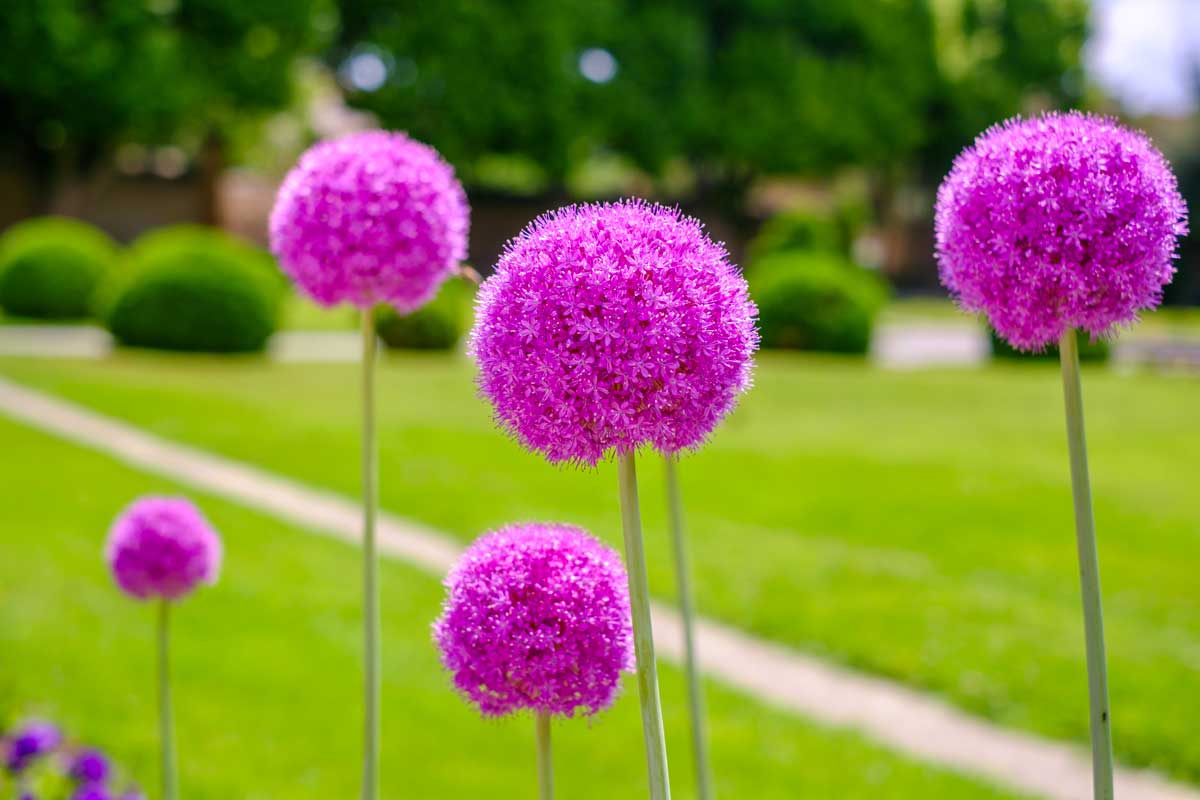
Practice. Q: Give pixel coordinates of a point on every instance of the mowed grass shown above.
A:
(915, 525)
(266, 668)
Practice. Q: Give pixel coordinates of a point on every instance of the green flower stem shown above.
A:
(1089, 571)
(643, 633)
(370, 491)
(545, 765)
(166, 728)
(704, 789)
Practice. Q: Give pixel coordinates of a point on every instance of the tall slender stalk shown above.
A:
(370, 490)
(643, 633)
(166, 727)
(545, 765)
(704, 788)
(1089, 571)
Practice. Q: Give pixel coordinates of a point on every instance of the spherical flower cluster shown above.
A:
(89, 766)
(27, 745)
(93, 791)
(537, 617)
(370, 218)
(162, 547)
(613, 326)
(1058, 222)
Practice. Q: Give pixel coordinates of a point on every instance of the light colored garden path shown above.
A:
(901, 718)
(896, 345)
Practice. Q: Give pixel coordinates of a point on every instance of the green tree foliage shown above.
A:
(735, 87)
(998, 58)
(79, 76)
(731, 85)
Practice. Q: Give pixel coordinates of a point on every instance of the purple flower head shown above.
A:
(537, 617)
(92, 791)
(613, 326)
(1058, 222)
(89, 766)
(162, 547)
(30, 743)
(370, 218)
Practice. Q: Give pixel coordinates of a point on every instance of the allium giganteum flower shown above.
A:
(162, 547)
(31, 742)
(1062, 221)
(613, 326)
(89, 766)
(373, 217)
(537, 617)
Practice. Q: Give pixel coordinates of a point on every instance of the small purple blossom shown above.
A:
(162, 547)
(537, 617)
(613, 326)
(89, 766)
(1057, 222)
(92, 791)
(30, 743)
(373, 217)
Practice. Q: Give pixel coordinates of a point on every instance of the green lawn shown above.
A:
(913, 524)
(267, 676)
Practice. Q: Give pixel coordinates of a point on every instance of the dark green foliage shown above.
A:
(439, 325)
(728, 85)
(797, 230)
(999, 58)
(50, 267)
(734, 87)
(816, 301)
(191, 288)
(1184, 288)
(1097, 351)
(76, 77)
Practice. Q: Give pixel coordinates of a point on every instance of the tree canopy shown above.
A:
(736, 87)
(81, 75)
(733, 88)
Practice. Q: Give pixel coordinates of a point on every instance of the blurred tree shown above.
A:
(78, 77)
(1185, 288)
(736, 87)
(997, 58)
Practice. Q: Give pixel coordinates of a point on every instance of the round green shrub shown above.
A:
(796, 230)
(1098, 351)
(194, 288)
(50, 267)
(817, 302)
(438, 325)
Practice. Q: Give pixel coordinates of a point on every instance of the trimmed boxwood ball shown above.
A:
(50, 267)
(194, 288)
(1097, 351)
(438, 325)
(797, 231)
(816, 301)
